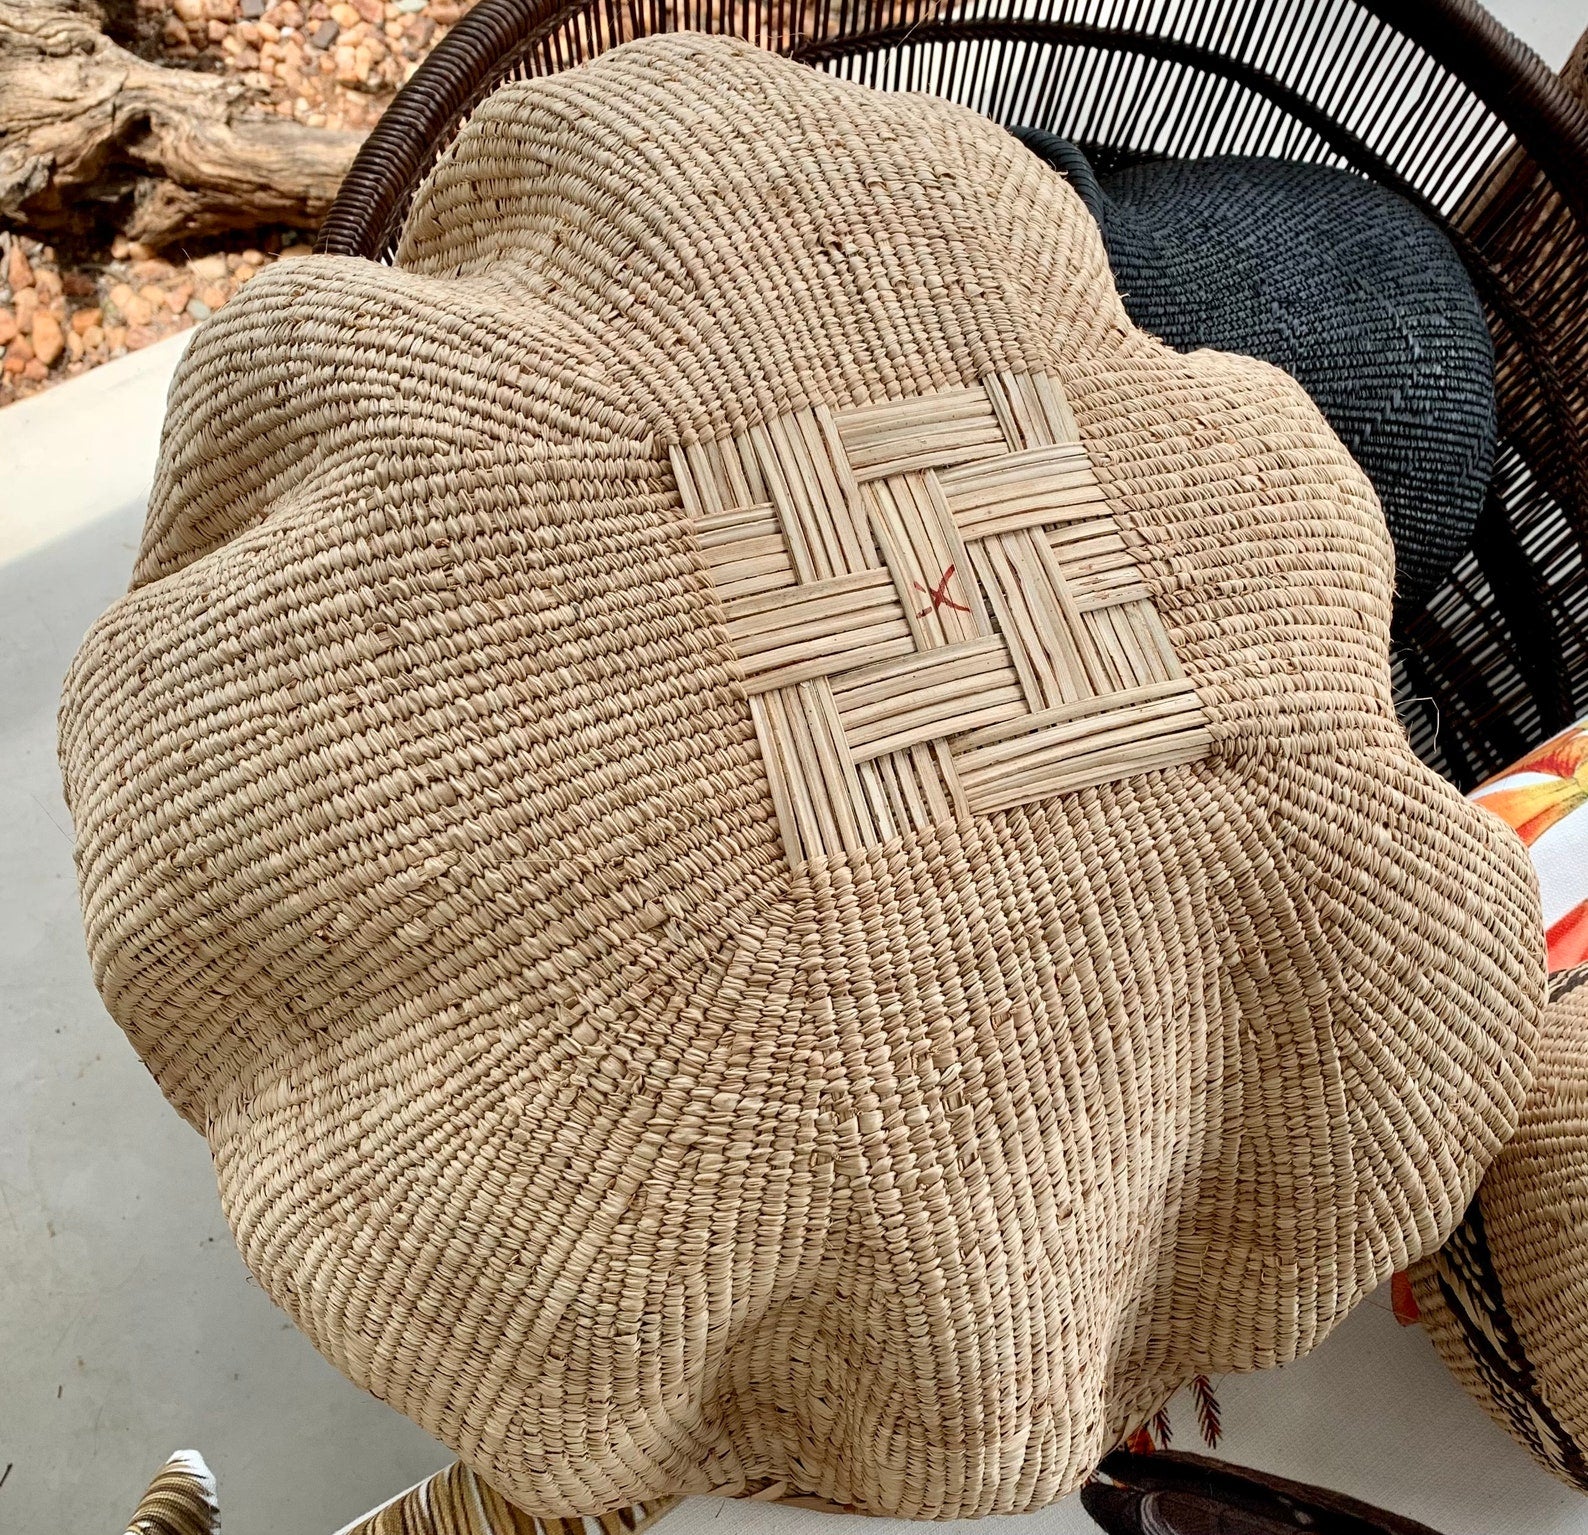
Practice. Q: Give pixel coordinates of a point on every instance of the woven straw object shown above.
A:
(773, 850)
(180, 1500)
(1506, 1298)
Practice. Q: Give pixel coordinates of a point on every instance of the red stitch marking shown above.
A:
(939, 595)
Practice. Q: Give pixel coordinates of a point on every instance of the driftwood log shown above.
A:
(92, 136)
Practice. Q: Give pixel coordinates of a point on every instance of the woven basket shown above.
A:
(761, 891)
(1433, 99)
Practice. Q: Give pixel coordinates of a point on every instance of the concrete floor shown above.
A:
(128, 1327)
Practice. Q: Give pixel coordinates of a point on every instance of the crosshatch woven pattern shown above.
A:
(934, 613)
(676, 1006)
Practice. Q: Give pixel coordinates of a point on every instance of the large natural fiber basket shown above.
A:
(772, 847)
(1431, 98)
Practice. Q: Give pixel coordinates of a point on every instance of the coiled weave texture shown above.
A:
(642, 1111)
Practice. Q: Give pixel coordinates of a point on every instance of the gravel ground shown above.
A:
(324, 64)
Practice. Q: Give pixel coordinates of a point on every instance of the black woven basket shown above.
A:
(1431, 98)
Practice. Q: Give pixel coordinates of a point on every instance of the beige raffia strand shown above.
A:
(457, 1502)
(676, 1008)
(934, 612)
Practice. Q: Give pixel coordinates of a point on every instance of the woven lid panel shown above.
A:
(934, 613)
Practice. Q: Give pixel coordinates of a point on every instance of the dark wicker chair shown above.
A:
(1429, 97)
